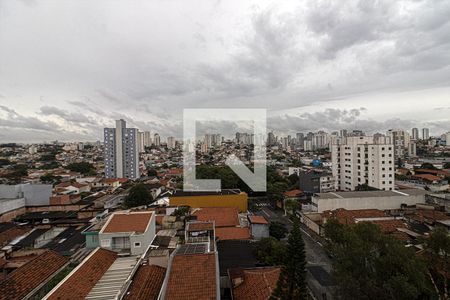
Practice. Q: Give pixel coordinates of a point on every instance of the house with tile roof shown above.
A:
(259, 227)
(147, 283)
(26, 281)
(222, 216)
(128, 232)
(193, 273)
(253, 283)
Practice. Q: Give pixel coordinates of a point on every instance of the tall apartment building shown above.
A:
(415, 134)
(362, 160)
(157, 140)
(401, 141)
(171, 142)
(121, 151)
(425, 133)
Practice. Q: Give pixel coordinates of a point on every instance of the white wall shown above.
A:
(382, 203)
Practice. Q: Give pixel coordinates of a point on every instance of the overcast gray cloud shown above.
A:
(68, 68)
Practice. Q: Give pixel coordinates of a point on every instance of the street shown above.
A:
(318, 263)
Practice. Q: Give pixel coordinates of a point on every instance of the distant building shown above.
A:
(425, 133)
(157, 140)
(171, 142)
(401, 141)
(415, 134)
(121, 151)
(361, 160)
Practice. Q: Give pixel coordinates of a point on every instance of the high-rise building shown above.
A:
(447, 138)
(415, 134)
(147, 139)
(400, 140)
(171, 143)
(425, 133)
(121, 151)
(141, 147)
(156, 140)
(271, 139)
(359, 160)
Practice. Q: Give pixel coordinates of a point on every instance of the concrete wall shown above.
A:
(311, 221)
(34, 194)
(260, 231)
(7, 205)
(382, 203)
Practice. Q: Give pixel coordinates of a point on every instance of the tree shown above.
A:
(446, 165)
(139, 195)
(438, 248)
(151, 172)
(428, 166)
(84, 168)
(50, 178)
(270, 251)
(277, 230)
(293, 179)
(370, 265)
(292, 281)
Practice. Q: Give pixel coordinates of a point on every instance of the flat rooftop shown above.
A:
(362, 194)
(181, 193)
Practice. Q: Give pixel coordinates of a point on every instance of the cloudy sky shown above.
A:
(68, 68)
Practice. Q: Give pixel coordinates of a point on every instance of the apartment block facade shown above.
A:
(121, 151)
(363, 160)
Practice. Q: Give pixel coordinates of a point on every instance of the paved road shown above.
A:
(318, 263)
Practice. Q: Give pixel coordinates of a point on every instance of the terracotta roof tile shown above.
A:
(146, 283)
(81, 282)
(258, 284)
(223, 216)
(427, 177)
(257, 220)
(128, 222)
(389, 226)
(293, 193)
(348, 216)
(10, 234)
(200, 226)
(29, 276)
(192, 277)
(233, 233)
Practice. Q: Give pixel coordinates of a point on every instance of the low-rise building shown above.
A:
(128, 232)
(259, 227)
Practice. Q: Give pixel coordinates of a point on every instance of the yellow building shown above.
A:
(224, 198)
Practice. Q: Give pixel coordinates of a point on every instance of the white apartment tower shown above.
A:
(121, 151)
(401, 141)
(361, 160)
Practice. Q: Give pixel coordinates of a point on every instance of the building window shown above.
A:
(137, 244)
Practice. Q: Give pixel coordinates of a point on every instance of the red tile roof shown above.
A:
(200, 226)
(10, 234)
(348, 216)
(29, 276)
(81, 282)
(223, 216)
(258, 284)
(233, 233)
(427, 177)
(146, 283)
(293, 193)
(389, 226)
(257, 220)
(128, 222)
(192, 277)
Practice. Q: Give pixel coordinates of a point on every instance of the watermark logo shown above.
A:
(256, 180)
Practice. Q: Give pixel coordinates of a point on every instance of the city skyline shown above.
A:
(68, 68)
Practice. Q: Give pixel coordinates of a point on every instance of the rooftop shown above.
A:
(192, 276)
(235, 254)
(82, 279)
(257, 283)
(25, 279)
(361, 194)
(345, 216)
(146, 283)
(181, 193)
(233, 233)
(128, 222)
(199, 226)
(257, 220)
(223, 216)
